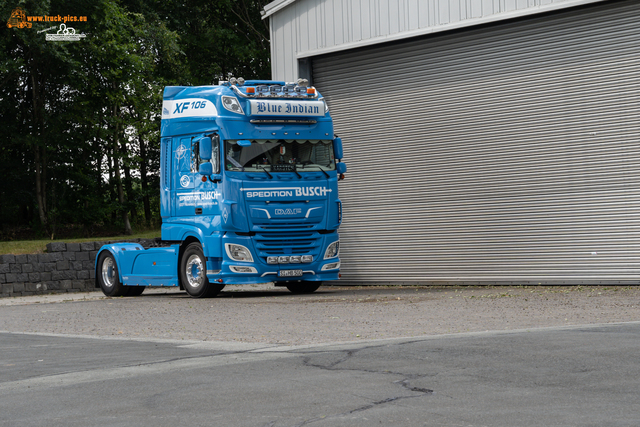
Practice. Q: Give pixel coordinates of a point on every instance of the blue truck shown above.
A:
(249, 175)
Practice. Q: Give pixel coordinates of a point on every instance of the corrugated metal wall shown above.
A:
(312, 27)
(506, 153)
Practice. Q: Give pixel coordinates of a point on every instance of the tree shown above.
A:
(81, 119)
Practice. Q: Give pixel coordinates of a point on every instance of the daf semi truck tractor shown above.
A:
(249, 193)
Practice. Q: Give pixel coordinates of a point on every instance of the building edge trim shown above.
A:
(274, 7)
(446, 27)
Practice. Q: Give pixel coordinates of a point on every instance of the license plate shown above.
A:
(289, 273)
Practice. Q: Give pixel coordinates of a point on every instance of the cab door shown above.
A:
(185, 160)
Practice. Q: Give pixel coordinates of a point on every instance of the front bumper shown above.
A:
(238, 273)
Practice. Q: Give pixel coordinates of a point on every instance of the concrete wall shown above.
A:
(66, 267)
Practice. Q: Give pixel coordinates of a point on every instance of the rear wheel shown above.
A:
(193, 273)
(107, 273)
(303, 287)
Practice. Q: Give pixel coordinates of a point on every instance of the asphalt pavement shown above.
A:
(557, 376)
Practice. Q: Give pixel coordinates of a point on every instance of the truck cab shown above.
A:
(249, 193)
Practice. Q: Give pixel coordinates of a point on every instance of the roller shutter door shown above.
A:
(507, 153)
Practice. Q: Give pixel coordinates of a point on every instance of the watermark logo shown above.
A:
(18, 19)
(66, 34)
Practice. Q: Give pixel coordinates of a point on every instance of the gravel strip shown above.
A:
(264, 314)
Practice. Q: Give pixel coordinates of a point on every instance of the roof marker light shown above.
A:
(251, 90)
(311, 91)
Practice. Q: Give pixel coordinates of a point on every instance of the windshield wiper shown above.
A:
(266, 171)
(318, 166)
(323, 171)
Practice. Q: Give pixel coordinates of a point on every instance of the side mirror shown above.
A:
(205, 148)
(341, 168)
(205, 169)
(210, 157)
(337, 148)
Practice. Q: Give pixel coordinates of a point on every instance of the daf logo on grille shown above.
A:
(295, 211)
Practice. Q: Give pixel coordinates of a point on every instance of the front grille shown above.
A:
(286, 216)
(288, 243)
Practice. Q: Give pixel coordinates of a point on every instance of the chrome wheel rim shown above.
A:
(108, 273)
(195, 276)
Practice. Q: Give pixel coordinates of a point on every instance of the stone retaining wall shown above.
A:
(66, 267)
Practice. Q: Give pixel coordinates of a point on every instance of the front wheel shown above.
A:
(303, 287)
(133, 291)
(107, 273)
(193, 273)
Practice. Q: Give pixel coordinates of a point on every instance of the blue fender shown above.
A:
(144, 267)
(210, 244)
(118, 250)
(191, 231)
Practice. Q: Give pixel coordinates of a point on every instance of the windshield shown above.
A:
(280, 155)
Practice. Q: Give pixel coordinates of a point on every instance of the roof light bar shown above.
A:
(300, 89)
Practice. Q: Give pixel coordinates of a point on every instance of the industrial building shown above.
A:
(487, 141)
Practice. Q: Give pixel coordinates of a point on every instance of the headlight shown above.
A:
(231, 103)
(238, 252)
(333, 250)
(294, 259)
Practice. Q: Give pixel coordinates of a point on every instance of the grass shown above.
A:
(19, 247)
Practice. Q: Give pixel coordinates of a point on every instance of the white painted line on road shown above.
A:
(237, 346)
(130, 372)
(192, 344)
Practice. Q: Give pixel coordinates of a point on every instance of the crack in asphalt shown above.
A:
(349, 354)
(353, 411)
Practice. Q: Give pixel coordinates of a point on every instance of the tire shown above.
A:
(193, 273)
(303, 287)
(133, 291)
(107, 274)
